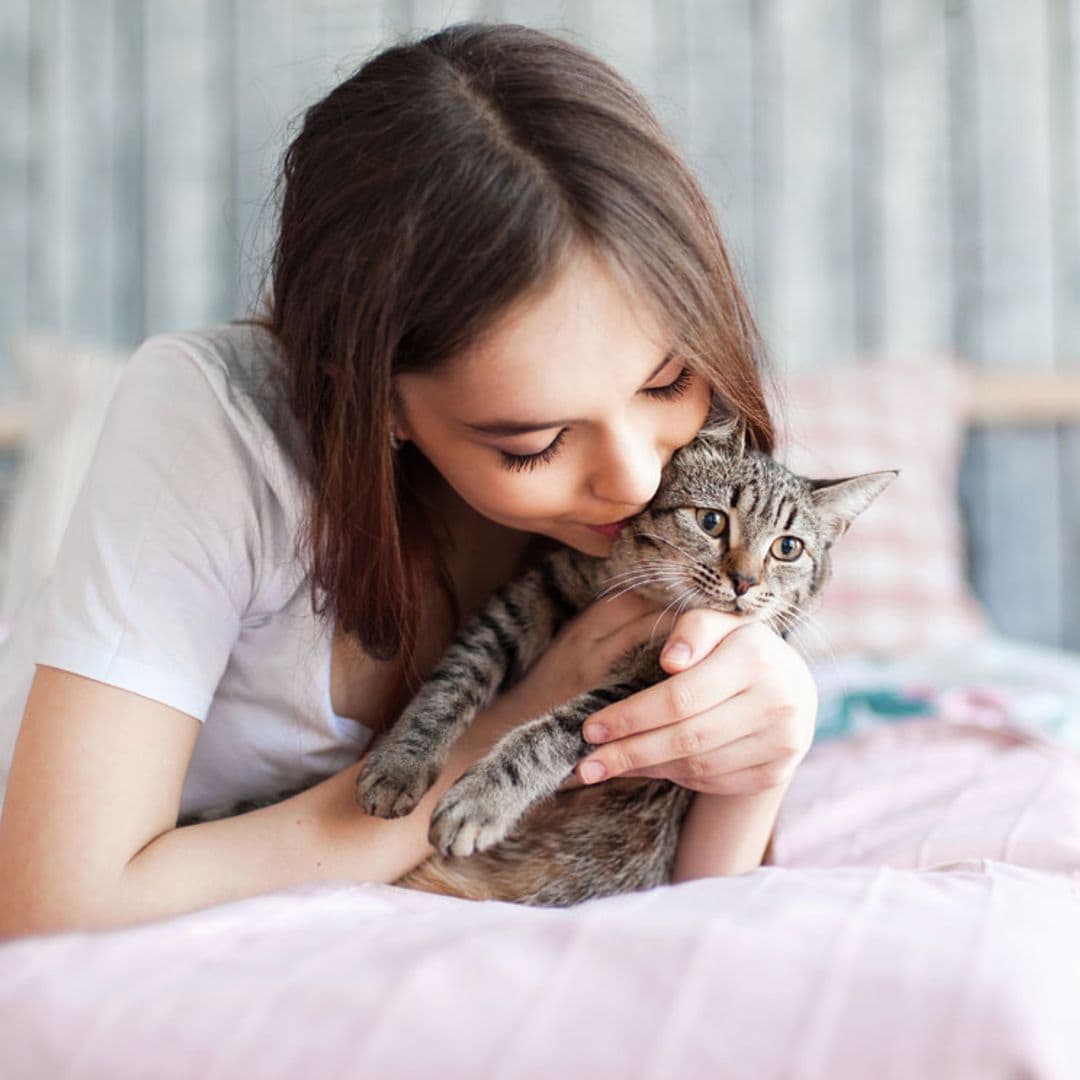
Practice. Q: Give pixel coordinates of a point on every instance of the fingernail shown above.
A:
(595, 732)
(592, 771)
(678, 653)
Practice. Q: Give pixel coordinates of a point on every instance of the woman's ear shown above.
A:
(399, 432)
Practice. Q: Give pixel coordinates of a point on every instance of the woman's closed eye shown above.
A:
(672, 391)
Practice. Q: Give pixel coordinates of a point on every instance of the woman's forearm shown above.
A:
(726, 834)
(320, 834)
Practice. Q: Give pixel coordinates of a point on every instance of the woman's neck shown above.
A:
(480, 554)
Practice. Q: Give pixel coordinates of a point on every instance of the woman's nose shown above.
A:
(626, 472)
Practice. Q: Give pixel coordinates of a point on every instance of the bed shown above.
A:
(919, 914)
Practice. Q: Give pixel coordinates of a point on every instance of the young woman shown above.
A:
(499, 304)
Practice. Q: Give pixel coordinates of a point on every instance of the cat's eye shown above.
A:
(712, 521)
(786, 548)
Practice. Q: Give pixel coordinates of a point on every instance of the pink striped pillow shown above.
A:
(899, 580)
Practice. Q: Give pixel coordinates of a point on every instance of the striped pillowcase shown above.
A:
(899, 582)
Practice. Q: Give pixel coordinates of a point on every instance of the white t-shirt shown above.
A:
(177, 576)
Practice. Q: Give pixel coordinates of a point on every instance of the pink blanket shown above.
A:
(922, 919)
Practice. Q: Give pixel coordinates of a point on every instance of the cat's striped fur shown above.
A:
(503, 830)
(718, 534)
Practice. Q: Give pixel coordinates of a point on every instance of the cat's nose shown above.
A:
(741, 582)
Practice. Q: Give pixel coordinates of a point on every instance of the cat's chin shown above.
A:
(732, 607)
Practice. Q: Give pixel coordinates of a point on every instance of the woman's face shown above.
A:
(566, 415)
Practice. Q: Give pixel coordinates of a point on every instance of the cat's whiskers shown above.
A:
(683, 595)
(641, 584)
(656, 569)
(791, 619)
(822, 637)
(670, 543)
(689, 594)
(638, 564)
(663, 572)
(664, 581)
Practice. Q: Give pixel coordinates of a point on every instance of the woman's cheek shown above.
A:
(522, 498)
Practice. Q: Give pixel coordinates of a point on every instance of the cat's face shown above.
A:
(738, 532)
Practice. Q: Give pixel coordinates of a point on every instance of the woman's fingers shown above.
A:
(750, 781)
(696, 746)
(697, 633)
(719, 772)
(711, 682)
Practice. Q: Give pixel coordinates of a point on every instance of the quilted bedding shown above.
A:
(920, 918)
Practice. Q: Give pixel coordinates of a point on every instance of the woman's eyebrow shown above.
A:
(523, 427)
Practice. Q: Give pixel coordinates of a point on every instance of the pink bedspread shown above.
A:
(922, 919)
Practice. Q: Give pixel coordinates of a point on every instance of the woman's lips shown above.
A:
(609, 530)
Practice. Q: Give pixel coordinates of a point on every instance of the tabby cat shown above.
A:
(729, 528)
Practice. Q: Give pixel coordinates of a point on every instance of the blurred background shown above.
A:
(896, 180)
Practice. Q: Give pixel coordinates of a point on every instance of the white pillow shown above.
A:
(66, 389)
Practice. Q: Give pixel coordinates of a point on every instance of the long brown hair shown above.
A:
(447, 178)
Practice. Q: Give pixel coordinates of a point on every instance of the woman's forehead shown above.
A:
(586, 321)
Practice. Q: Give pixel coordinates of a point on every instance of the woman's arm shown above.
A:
(731, 725)
(319, 835)
(726, 834)
(88, 837)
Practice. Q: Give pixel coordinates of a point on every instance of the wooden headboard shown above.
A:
(1025, 398)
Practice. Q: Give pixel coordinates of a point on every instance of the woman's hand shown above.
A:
(735, 717)
(582, 654)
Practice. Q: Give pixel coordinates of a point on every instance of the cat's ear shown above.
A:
(727, 431)
(840, 502)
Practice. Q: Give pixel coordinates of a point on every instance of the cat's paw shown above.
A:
(393, 781)
(468, 818)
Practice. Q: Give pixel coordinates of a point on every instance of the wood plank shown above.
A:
(720, 141)
(1025, 397)
(916, 297)
(189, 138)
(85, 208)
(14, 178)
(868, 139)
(541, 14)
(624, 34)
(806, 117)
(81, 224)
(43, 293)
(128, 184)
(335, 37)
(422, 17)
(1064, 82)
(1015, 486)
(266, 115)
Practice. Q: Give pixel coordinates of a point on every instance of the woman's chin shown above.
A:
(582, 538)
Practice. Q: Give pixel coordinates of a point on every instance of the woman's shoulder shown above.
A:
(240, 369)
(239, 360)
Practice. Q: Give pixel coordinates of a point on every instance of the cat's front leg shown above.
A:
(499, 644)
(523, 767)
(401, 769)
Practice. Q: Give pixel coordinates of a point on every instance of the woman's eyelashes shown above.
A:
(523, 462)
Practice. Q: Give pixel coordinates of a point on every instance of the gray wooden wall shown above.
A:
(894, 177)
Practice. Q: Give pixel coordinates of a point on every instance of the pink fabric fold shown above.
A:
(921, 918)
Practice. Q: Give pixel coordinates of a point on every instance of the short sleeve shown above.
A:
(157, 565)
